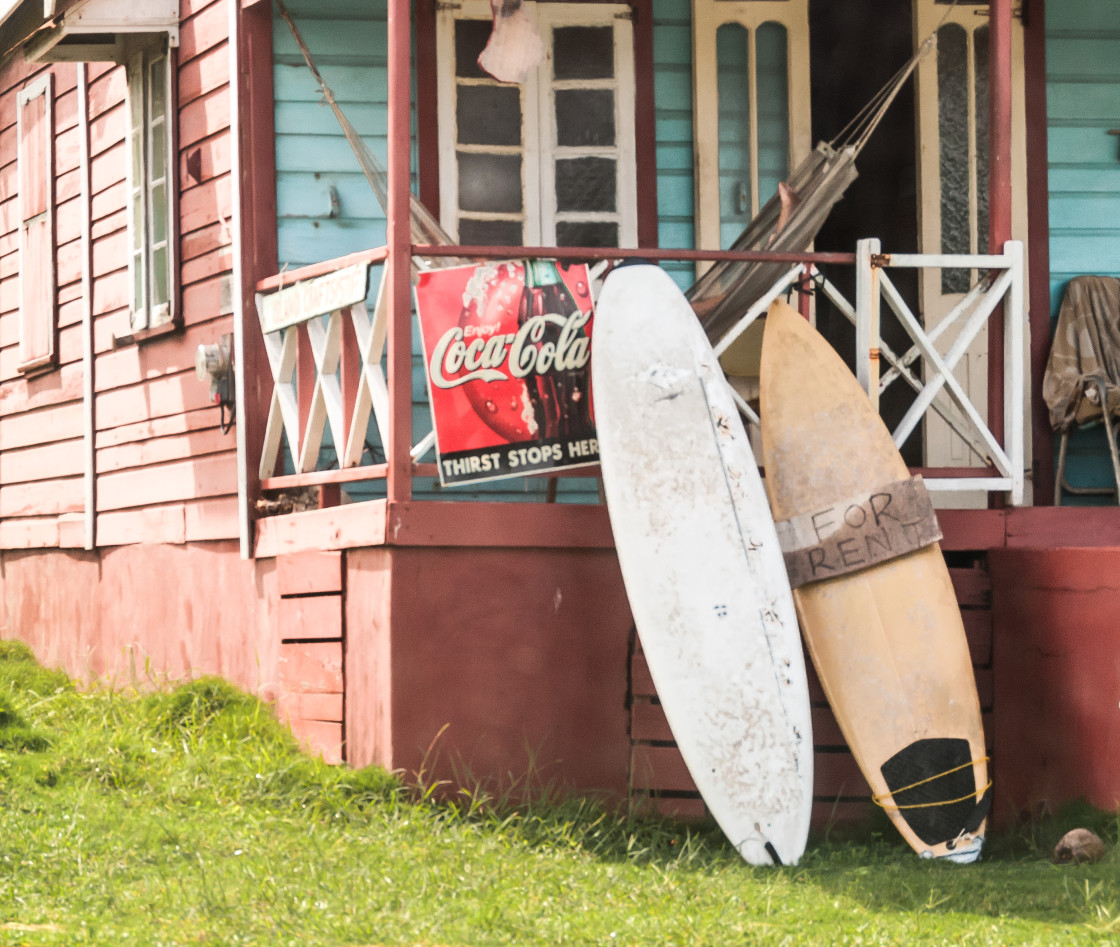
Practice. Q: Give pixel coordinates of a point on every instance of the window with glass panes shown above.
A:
(550, 161)
(150, 193)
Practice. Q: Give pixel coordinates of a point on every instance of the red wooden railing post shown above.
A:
(999, 199)
(398, 239)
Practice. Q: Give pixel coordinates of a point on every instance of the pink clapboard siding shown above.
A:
(163, 470)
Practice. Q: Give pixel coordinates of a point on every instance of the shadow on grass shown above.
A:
(1015, 879)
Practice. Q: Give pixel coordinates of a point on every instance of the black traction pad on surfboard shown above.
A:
(925, 766)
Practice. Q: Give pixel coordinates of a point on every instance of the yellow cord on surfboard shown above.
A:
(878, 798)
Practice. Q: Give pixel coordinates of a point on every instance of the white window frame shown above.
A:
(143, 242)
(538, 148)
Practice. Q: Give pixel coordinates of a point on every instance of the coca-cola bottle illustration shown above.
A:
(560, 396)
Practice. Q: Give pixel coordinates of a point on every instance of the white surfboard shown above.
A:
(702, 566)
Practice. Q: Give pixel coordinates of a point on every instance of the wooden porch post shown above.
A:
(398, 239)
(1038, 248)
(999, 199)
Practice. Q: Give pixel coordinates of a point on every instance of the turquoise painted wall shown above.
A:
(1083, 104)
(672, 94)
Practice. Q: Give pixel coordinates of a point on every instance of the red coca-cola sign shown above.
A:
(508, 352)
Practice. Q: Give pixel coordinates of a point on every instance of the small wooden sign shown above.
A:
(859, 532)
(313, 297)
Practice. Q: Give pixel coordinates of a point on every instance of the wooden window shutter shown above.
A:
(37, 288)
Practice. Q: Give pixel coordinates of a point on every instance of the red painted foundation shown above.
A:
(508, 651)
(1056, 652)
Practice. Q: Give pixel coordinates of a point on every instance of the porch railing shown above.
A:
(325, 350)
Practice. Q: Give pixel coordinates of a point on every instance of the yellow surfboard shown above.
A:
(881, 623)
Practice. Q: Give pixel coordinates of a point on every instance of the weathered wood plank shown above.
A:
(131, 365)
(110, 295)
(114, 222)
(967, 530)
(171, 394)
(174, 523)
(659, 769)
(641, 681)
(837, 774)
(107, 92)
(110, 252)
(204, 204)
(689, 808)
(42, 498)
(309, 573)
(42, 426)
(327, 707)
(156, 427)
(161, 450)
(72, 531)
(204, 240)
(339, 527)
(107, 170)
(210, 476)
(213, 518)
(309, 617)
(109, 200)
(830, 812)
(33, 533)
(203, 301)
(319, 738)
(310, 667)
(205, 160)
(205, 116)
(207, 267)
(514, 524)
(978, 630)
(44, 462)
(29, 394)
(1064, 526)
(973, 587)
(648, 722)
(206, 29)
(152, 525)
(204, 73)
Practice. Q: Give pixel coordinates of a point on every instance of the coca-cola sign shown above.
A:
(507, 347)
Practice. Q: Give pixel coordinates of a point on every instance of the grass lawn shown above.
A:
(188, 816)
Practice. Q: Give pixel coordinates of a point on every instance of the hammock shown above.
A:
(790, 220)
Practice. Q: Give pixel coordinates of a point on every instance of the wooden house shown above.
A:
(167, 167)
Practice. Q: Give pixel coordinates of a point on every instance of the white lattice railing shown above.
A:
(937, 389)
(343, 379)
(338, 384)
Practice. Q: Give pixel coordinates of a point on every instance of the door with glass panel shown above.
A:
(549, 162)
(751, 125)
(751, 108)
(953, 154)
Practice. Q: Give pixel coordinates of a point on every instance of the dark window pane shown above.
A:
(583, 52)
(489, 233)
(952, 127)
(470, 39)
(771, 43)
(733, 83)
(584, 117)
(585, 184)
(490, 183)
(488, 115)
(980, 40)
(586, 233)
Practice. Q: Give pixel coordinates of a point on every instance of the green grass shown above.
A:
(188, 816)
